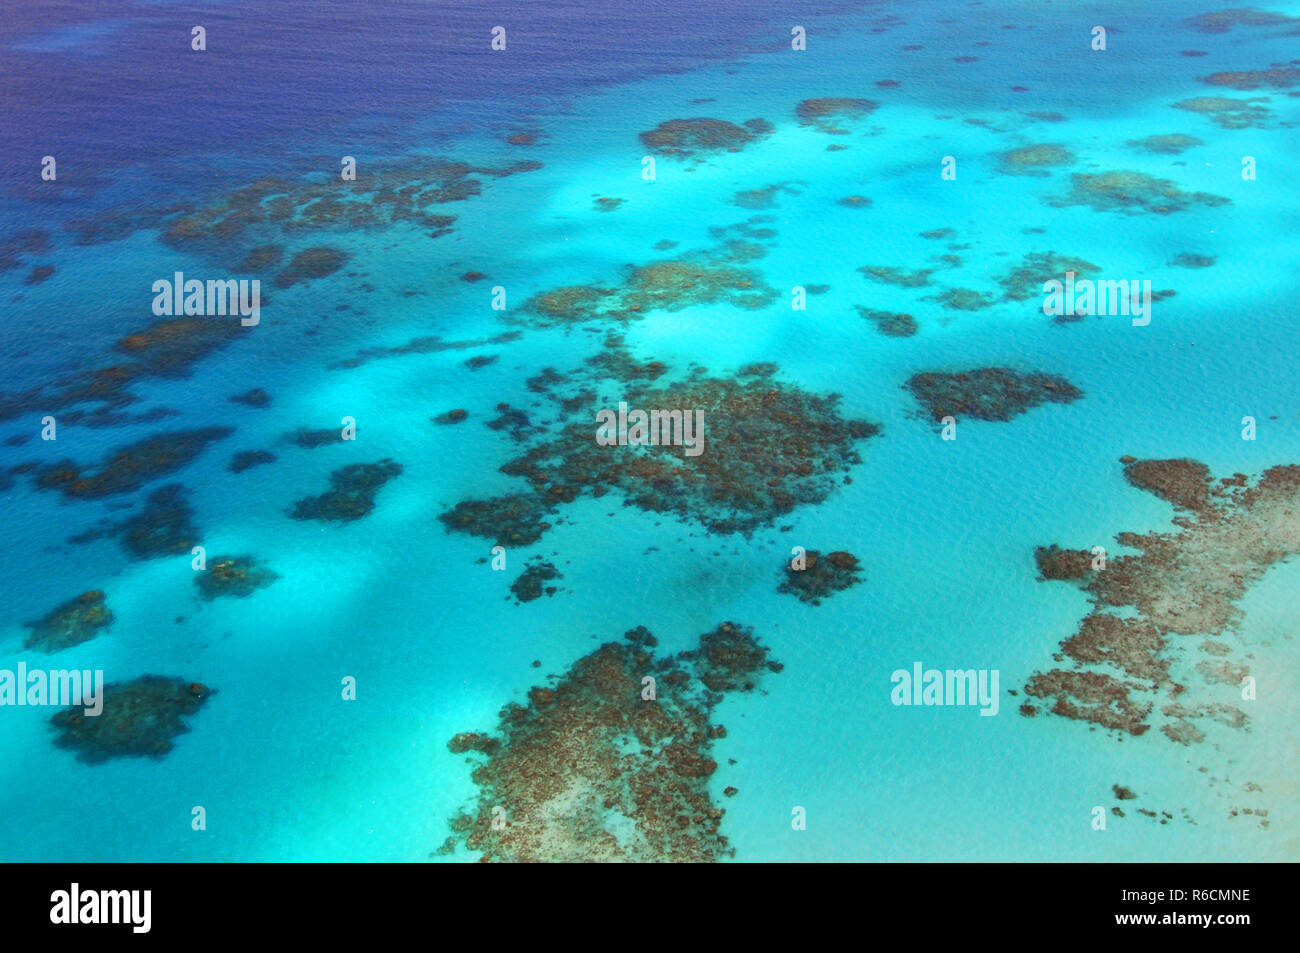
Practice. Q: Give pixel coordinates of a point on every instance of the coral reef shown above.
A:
(20, 245)
(825, 113)
(692, 138)
(1125, 675)
(988, 393)
(892, 324)
(167, 349)
(250, 458)
(132, 466)
(311, 439)
(770, 447)
(887, 275)
(257, 397)
(451, 417)
(1025, 281)
(1034, 160)
(702, 278)
(1170, 144)
(78, 620)
(964, 299)
(351, 495)
(1229, 113)
(164, 527)
(531, 583)
(310, 264)
(822, 575)
(765, 197)
(593, 770)
(1276, 77)
(1222, 21)
(238, 576)
(1132, 193)
(512, 520)
(141, 718)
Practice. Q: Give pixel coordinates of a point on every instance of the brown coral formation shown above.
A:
(403, 192)
(702, 278)
(1222, 21)
(964, 299)
(892, 324)
(311, 264)
(688, 138)
(167, 349)
(351, 494)
(899, 277)
(140, 718)
(532, 582)
(1276, 77)
(517, 519)
(1229, 113)
(132, 466)
(1186, 582)
(826, 112)
(78, 620)
(1025, 281)
(599, 767)
(1034, 160)
(1061, 564)
(1170, 144)
(988, 393)
(238, 576)
(769, 447)
(820, 575)
(1131, 193)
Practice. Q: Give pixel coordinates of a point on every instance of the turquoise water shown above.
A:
(945, 530)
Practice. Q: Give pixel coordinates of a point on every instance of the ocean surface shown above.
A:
(945, 531)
